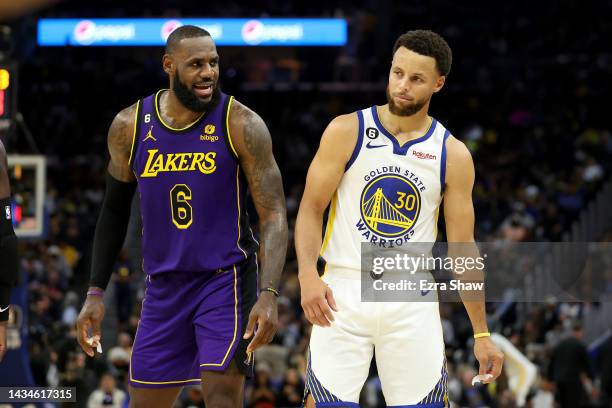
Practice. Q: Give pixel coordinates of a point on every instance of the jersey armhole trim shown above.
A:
(331, 216)
(359, 142)
(227, 133)
(443, 162)
(136, 131)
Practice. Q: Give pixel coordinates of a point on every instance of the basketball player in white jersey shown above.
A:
(394, 155)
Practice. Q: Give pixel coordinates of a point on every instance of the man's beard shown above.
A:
(189, 98)
(405, 111)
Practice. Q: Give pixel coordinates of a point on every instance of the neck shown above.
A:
(404, 124)
(173, 110)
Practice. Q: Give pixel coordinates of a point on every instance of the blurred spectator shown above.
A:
(292, 390)
(570, 369)
(107, 394)
(192, 398)
(119, 356)
(261, 394)
(606, 373)
(123, 277)
(71, 308)
(462, 391)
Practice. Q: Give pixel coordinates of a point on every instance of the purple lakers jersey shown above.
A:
(192, 192)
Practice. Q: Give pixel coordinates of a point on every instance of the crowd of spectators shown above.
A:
(526, 94)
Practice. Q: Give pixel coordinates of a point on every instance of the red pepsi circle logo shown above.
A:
(168, 27)
(252, 32)
(85, 32)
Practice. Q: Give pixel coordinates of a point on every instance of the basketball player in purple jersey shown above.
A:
(192, 151)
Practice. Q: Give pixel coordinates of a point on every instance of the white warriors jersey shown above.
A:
(390, 194)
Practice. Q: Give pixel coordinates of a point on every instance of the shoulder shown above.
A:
(241, 115)
(457, 152)
(459, 163)
(126, 117)
(248, 131)
(340, 137)
(121, 131)
(343, 126)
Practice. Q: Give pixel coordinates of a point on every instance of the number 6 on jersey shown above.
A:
(182, 212)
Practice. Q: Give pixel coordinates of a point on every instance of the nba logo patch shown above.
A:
(8, 212)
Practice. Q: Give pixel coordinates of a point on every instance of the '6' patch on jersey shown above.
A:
(372, 133)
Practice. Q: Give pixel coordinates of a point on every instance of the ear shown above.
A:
(168, 64)
(439, 83)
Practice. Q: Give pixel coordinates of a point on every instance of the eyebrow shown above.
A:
(419, 73)
(202, 58)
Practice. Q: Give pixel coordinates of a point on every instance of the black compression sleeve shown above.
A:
(110, 229)
(9, 262)
(5, 301)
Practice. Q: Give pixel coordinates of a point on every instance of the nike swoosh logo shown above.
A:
(424, 292)
(370, 146)
(4, 309)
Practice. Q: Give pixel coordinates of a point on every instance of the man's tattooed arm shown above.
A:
(253, 144)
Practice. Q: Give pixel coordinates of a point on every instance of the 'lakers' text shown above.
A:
(179, 162)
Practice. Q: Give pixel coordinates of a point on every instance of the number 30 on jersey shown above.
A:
(182, 212)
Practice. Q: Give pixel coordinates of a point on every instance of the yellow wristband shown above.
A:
(481, 335)
(271, 290)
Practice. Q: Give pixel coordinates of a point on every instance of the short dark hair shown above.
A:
(430, 44)
(186, 31)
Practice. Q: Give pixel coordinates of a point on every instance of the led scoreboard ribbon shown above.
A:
(225, 31)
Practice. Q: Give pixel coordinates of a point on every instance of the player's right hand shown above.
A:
(90, 318)
(317, 300)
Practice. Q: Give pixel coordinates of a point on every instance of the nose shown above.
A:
(207, 71)
(404, 85)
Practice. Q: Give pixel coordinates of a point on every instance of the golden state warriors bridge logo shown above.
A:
(390, 205)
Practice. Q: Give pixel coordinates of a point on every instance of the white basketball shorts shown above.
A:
(404, 337)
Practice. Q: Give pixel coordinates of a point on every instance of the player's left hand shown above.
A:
(490, 358)
(263, 321)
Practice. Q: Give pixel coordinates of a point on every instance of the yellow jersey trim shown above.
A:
(329, 229)
(229, 135)
(238, 201)
(407, 141)
(330, 223)
(165, 382)
(235, 325)
(156, 103)
(436, 219)
(134, 132)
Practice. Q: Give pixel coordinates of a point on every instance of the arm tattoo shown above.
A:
(266, 187)
(120, 144)
(263, 173)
